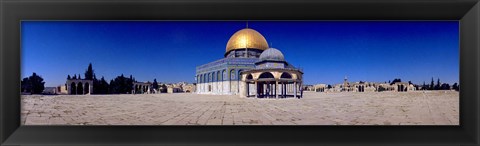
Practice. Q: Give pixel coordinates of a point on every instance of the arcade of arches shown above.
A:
(79, 86)
(271, 83)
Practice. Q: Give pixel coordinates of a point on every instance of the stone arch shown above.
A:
(232, 74)
(80, 88)
(249, 77)
(87, 88)
(213, 77)
(238, 80)
(266, 75)
(224, 75)
(73, 88)
(286, 75)
(204, 78)
(238, 74)
(209, 77)
(219, 77)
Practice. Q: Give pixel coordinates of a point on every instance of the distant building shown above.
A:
(143, 88)
(62, 89)
(372, 87)
(174, 90)
(50, 90)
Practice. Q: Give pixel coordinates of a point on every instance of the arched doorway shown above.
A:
(238, 80)
(73, 88)
(265, 84)
(80, 88)
(87, 88)
(285, 84)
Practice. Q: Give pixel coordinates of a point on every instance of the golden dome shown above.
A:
(246, 38)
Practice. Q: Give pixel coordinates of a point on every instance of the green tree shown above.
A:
(26, 86)
(102, 87)
(33, 84)
(445, 86)
(121, 85)
(438, 86)
(155, 84)
(68, 77)
(432, 84)
(89, 72)
(455, 87)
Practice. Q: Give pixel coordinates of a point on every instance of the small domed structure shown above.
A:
(272, 54)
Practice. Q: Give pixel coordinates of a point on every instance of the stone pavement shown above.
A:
(378, 108)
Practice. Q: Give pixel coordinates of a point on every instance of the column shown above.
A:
(276, 86)
(69, 89)
(248, 88)
(90, 88)
(256, 87)
(295, 89)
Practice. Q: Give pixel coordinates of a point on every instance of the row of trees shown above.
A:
(440, 86)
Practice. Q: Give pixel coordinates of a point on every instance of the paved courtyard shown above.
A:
(379, 108)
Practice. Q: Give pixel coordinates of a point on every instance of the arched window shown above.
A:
(213, 77)
(209, 77)
(224, 77)
(219, 77)
(204, 78)
(232, 74)
(238, 74)
(286, 75)
(266, 75)
(249, 77)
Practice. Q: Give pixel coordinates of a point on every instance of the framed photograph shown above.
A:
(227, 72)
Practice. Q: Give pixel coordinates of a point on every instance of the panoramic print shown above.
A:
(240, 73)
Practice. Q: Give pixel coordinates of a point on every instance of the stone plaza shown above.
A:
(315, 108)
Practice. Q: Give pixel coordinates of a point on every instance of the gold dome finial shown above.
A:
(246, 38)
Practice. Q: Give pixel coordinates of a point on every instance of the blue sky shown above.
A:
(170, 50)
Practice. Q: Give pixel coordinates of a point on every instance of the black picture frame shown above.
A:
(13, 11)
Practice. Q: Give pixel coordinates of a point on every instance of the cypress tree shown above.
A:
(155, 84)
(89, 73)
(432, 84)
(437, 87)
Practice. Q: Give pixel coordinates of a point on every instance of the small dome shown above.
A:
(272, 54)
